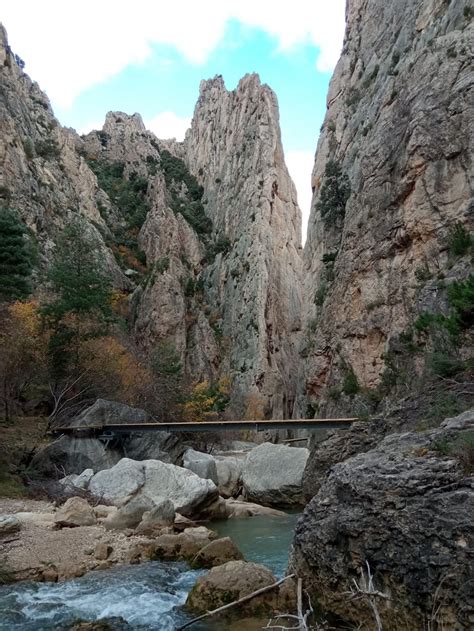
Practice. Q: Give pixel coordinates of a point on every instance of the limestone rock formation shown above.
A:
(233, 580)
(272, 475)
(42, 174)
(203, 465)
(234, 148)
(153, 481)
(405, 508)
(391, 180)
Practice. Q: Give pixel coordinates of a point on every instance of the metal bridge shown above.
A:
(113, 429)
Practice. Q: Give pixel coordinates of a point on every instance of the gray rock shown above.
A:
(229, 473)
(155, 446)
(75, 512)
(272, 474)
(189, 493)
(157, 481)
(130, 514)
(216, 553)
(79, 481)
(119, 483)
(161, 515)
(74, 455)
(406, 509)
(9, 524)
(203, 465)
(104, 411)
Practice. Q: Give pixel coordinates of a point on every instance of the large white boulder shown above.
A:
(229, 474)
(155, 480)
(272, 474)
(203, 465)
(120, 483)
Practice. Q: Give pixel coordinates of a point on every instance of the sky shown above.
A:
(149, 56)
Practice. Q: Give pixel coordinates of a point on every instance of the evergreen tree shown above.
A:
(81, 307)
(78, 278)
(15, 257)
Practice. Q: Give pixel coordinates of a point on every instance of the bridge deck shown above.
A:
(211, 426)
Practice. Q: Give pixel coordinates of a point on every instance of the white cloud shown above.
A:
(168, 125)
(72, 46)
(300, 165)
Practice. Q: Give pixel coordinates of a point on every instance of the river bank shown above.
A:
(147, 596)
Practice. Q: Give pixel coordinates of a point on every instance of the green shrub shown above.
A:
(162, 265)
(334, 393)
(189, 287)
(444, 365)
(350, 385)
(47, 149)
(461, 299)
(29, 148)
(462, 448)
(329, 257)
(221, 245)
(335, 192)
(460, 240)
(165, 360)
(320, 295)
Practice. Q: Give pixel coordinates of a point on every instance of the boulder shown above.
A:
(9, 524)
(216, 553)
(130, 514)
(75, 512)
(102, 551)
(404, 507)
(229, 474)
(189, 493)
(160, 516)
(183, 546)
(119, 483)
(73, 455)
(272, 474)
(240, 508)
(102, 511)
(79, 481)
(233, 580)
(163, 446)
(104, 411)
(203, 465)
(156, 480)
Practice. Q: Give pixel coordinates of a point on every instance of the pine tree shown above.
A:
(78, 278)
(81, 307)
(15, 257)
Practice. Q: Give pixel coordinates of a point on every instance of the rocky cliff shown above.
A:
(392, 199)
(202, 237)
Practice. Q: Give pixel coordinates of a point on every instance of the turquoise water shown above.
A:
(148, 596)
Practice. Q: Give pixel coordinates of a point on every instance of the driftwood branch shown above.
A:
(300, 618)
(244, 599)
(366, 589)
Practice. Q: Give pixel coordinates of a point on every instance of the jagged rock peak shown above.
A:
(133, 122)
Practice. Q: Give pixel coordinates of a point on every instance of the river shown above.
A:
(148, 596)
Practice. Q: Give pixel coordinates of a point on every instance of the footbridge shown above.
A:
(115, 429)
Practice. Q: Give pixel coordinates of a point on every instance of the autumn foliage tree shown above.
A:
(207, 401)
(23, 352)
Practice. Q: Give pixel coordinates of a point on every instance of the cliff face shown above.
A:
(393, 174)
(234, 147)
(203, 236)
(42, 174)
